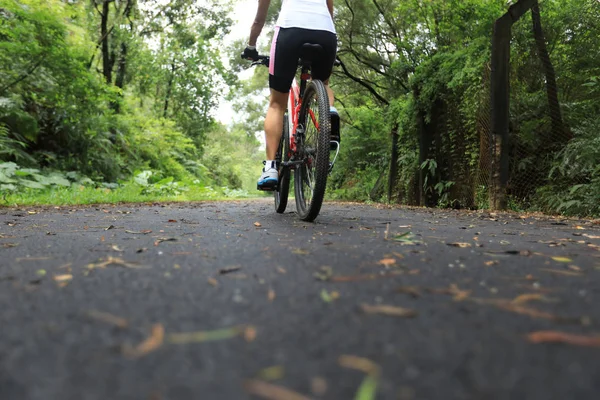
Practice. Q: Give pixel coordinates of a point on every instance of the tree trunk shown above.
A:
(558, 131)
(393, 163)
(500, 101)
(169, 90)
(106, 57)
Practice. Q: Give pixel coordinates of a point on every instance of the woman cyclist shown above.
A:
(299, 22)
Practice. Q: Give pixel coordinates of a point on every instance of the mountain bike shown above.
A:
(305, 144)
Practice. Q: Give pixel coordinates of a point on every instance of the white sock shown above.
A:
(333, 109)
(269, 164)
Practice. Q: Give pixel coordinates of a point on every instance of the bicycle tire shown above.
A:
(283, 154)
(315, 167)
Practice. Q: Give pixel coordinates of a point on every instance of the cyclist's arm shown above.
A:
(259, 21)
(330, 6)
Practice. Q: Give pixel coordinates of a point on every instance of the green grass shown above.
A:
(128, 193)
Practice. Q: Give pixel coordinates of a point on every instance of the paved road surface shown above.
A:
(231, 301)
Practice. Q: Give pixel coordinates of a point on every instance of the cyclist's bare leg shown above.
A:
(274, 121)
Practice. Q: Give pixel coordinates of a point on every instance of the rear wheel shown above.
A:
(283, 154)
(310, 177)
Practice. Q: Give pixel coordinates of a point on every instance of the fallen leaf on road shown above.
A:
(115, 261)
(270, 391)
(41, 272)
(172, 220)
(532, 312)
(250, 333)
(459, 244)
(324, 273)
(453, 290)
(153, 342)
(562, 259)
(62, 278)
(318, 386)
(329, 297)
(160, 240)
(257, 224)
(492, 262)
(281, 270)
(368, 388)
(574, 268)
(300, 251)
(271, 295)
(9, 245)
(108, 318)
(563, 337)
(144, 232)
(205, 336)
(228, 270)
(411, 290)
(143, 249)
(116, 248)
(388, 310)
(524, 298)
(561, 272)
(212, 282)
(358, 363)
(110, 227)
(387, 262)
(271, 373)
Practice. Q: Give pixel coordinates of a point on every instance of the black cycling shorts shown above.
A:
(285, 52)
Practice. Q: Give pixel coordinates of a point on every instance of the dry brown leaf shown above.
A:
(212, 282)
(115, 261)
(561, 272)
(172, 220)
(459, 244)
(108, 318)
(281, 270)
(387, 262)
(257, 224)
(153, 342)
(591, 236)
(63, 278)
(271, 391)
(410, 290)
(563, 337)
(492, 262)
(524, 298)
(358, 363)
(250, 333)
(531, 312)
(388, 310)
(271, 295)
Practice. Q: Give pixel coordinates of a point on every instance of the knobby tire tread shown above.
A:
(308, 212)
(282, 193)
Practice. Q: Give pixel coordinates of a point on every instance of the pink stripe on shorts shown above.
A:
(272, 56)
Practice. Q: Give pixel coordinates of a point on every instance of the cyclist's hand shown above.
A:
(250, 53)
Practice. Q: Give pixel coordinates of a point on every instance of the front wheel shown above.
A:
(313, 142)
(283, 154)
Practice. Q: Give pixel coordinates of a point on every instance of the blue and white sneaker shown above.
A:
(269, 178)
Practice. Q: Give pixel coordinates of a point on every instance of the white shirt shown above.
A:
(307, 14)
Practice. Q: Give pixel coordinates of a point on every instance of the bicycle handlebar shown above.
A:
(264, 60)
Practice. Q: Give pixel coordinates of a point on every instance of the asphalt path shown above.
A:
(228, 300)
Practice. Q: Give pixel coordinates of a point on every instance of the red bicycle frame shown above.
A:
(294, 105)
